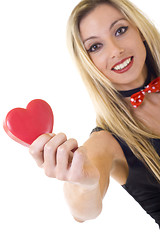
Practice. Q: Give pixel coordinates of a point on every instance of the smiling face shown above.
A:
(115, 46)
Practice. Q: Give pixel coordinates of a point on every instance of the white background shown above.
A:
(35, 63)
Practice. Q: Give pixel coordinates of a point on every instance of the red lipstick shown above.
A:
(125, 68)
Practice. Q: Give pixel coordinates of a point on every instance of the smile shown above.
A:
(123, 66)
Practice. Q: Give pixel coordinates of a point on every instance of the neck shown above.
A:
(129, 93)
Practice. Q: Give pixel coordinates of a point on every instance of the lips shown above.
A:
(120, 62)
(123, 65)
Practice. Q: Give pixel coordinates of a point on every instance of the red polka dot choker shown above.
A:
(137, 95)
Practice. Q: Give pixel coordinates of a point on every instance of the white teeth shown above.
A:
(123, 65)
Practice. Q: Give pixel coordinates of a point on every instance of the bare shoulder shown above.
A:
(108, 155)
(102, 143)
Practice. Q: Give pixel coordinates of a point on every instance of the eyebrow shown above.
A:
(112, 25)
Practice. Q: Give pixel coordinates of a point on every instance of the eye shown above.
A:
(121, 31)
(94, 47)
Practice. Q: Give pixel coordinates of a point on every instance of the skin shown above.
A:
(86, 169)
(108, 41)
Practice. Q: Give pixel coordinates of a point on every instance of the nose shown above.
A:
(115, 49)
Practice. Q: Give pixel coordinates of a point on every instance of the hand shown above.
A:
(63, 159)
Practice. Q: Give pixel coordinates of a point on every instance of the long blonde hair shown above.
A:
(112, 112)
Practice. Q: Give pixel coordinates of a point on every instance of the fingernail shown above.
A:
(51, 134)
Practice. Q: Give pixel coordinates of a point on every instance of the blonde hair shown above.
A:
(112, 112)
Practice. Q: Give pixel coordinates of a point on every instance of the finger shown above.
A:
(76, 170)
(64, 158)
(50, 151)
(37, 147)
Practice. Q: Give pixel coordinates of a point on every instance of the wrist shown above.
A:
(81, 188)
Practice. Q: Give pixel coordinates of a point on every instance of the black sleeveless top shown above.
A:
(141, 184)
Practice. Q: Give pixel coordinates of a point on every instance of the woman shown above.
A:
(117, 51)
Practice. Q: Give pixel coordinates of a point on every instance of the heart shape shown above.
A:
(25, 125)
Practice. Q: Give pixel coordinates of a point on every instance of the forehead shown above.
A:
(102, 15)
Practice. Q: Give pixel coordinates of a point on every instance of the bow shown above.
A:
(152, 87)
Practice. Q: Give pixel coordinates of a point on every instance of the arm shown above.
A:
(85, 169)
(86, 202)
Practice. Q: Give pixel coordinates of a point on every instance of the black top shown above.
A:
(141, 184)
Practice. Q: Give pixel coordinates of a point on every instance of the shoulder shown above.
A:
(104, 142)
(107, 152)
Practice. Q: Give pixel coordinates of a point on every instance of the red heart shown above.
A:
(25, 125)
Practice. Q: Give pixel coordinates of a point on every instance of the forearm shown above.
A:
(84, 203)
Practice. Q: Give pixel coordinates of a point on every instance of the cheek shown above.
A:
(100, 61)
(141, 50)
(138, 44)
